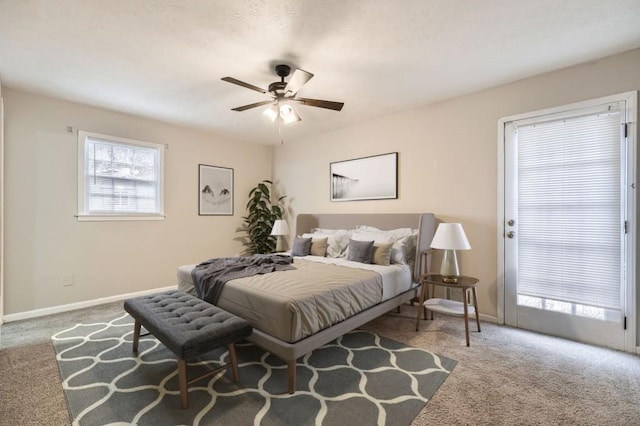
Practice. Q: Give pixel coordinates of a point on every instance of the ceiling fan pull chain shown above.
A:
(280, 131)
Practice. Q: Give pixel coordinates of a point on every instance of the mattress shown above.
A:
(319, 293)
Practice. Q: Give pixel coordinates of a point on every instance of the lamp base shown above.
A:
(280, 244)
(449, 268)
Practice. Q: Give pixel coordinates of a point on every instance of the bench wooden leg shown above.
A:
(182, 378)
(234, 362)
(136, 335)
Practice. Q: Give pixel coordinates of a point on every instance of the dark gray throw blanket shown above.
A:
(210, 276)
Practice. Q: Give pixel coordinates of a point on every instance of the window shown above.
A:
(119, 179)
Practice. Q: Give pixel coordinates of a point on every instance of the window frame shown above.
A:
(84, 215)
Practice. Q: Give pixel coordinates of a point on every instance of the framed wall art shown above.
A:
(368, 178)
(215, 191)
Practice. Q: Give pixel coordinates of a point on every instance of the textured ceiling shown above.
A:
(164, 58)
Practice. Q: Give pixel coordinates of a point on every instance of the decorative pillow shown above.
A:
(406, 247)
(301, 246)
(403, 242)
(360, 251)
(336, 243)
(319, 246)
(382, 253)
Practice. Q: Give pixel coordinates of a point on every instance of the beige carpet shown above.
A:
(514, 377)
(30, 389)
(506, 377)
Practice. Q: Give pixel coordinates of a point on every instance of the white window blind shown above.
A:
(119, 178)
(570, 203)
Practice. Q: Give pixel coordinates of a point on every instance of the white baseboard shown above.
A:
(488, 318)
(79, 305)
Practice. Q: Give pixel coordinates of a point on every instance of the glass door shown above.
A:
(566, 207)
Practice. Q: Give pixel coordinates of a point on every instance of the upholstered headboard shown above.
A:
(424, 222)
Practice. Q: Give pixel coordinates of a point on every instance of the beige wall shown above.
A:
(447, 156)
(43, 239)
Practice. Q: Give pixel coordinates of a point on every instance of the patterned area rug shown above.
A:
(358, 379)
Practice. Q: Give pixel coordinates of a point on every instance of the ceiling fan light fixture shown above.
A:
(285, 110)
(288, 114)
(271, 112)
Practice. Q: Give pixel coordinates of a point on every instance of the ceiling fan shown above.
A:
(282, 94)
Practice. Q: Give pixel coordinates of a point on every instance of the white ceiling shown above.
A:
(164, 58)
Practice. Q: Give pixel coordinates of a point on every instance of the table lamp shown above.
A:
(280, 229)
(450, 237)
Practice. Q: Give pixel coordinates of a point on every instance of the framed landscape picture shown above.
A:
(215, 191)
(368, 178)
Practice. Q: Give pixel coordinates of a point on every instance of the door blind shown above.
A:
(569, 208)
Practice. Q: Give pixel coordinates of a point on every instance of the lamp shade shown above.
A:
(450, 236)
(271, 112)
(280, 228)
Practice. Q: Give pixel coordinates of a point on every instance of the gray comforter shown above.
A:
(292, 305)
(210, 276)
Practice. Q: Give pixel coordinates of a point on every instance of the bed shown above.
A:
(293, 324)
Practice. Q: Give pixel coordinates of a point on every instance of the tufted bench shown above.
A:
(189, 327)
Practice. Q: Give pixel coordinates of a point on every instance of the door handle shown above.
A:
(511, 234)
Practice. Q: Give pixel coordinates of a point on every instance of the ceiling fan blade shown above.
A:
(298, 79)
(336, 106)
(246, 107)
(243, 84)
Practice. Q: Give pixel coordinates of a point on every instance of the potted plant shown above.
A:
(262, 213)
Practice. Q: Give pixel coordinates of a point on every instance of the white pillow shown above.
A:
(405, 232)
(329, 231)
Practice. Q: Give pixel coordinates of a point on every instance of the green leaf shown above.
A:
(258, 222)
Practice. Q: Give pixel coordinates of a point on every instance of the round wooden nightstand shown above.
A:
(447, 306)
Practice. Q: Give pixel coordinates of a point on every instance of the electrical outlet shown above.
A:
(67, 280)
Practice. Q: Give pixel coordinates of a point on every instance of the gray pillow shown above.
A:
(301, 246)
(360, 251)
